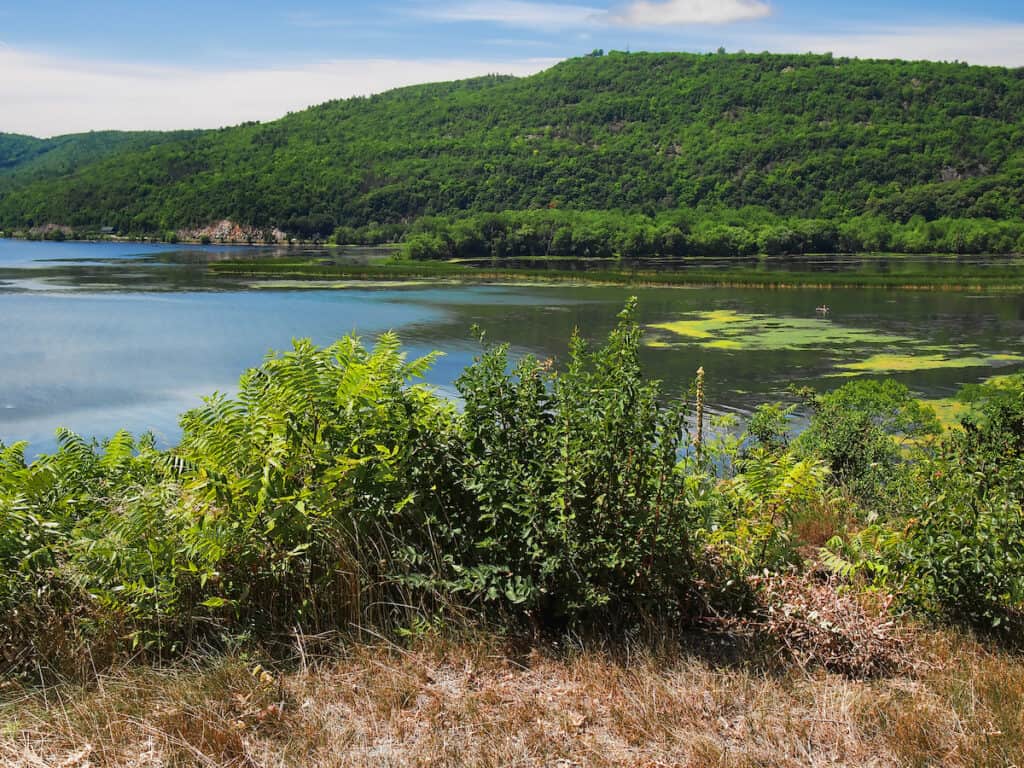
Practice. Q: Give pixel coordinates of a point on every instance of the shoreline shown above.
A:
(998, 279)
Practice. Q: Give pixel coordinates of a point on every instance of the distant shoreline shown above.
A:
(305, 269)
(4, 235)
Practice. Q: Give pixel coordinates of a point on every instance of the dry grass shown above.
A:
(480, 704)
(817, 624)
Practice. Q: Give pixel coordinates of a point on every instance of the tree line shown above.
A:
(603, 234)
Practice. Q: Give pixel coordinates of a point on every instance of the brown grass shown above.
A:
(478, 703)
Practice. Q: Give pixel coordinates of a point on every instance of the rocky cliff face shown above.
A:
(227, 231)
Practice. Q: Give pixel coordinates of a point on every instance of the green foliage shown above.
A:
(963, 555)
(311, 497)
(769, 426)
(677, 233)
(25, 160)
(953, 544)
(582, 502)
(771, 153)
(767, 500)
(860, 430)
(334, 492)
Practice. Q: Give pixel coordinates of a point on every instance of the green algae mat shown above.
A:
(855, 351)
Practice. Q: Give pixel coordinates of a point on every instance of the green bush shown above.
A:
(769, 426)
(861, 429)
(583, 511)
(333, 492)
(963, 553)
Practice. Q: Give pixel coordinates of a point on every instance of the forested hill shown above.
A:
(798, 135)
(25, 159)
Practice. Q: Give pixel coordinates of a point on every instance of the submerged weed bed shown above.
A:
(965, 279)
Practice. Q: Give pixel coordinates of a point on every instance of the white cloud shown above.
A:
(644, 13)
(49, 95)
(991, 44)
(637, 13)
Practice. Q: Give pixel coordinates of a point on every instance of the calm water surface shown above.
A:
(99, 336)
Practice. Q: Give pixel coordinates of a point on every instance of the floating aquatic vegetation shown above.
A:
(898, 363)
(730, 330)
(886, 353)
(706, 325)
(949, 410)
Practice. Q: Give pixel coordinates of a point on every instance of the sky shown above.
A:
(77, 65)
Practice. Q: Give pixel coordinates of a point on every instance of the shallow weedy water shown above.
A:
(100, 336)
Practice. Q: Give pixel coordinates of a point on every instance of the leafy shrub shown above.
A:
(333, 492)
(768, 505)
(576, 475)
(318, 494)
(953, 547)
(963, 555)
(769, 426)
(860, 430)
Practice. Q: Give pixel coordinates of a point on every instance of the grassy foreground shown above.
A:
(484, 703)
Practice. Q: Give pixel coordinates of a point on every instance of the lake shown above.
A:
(100, 336)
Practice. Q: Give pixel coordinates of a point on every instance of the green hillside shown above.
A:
(649, 135)
(25, 159)
(16, 149)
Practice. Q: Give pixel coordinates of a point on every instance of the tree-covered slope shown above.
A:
(16, 149)
(801, 135)
(25, 159)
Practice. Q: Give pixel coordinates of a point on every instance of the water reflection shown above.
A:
(103, 336)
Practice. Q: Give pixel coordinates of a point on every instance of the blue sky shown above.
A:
(70, 66)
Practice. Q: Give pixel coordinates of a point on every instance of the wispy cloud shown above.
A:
(49, 95)
(644, 13)
(991, 44)
(637, 13)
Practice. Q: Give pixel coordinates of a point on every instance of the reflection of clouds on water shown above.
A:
(100, 417)
(132, 356)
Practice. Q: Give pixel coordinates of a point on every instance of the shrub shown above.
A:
(953, 548)
(582, 504)
(769, 426)
(860, 430)
(767, 506)
(335, 492)
(963, 554)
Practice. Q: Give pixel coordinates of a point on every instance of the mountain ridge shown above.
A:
(797, 135)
